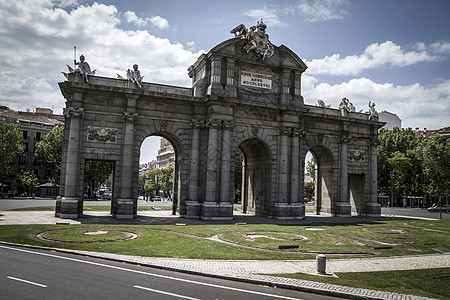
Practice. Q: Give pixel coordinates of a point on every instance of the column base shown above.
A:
(125, 209)
(289, 211)
(222, 211)
(343, 210)
(192, 210)
(373, 209)
(70, 208)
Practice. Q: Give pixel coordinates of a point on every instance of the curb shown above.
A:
(272, 281)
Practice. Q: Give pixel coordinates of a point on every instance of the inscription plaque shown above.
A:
(257, 80)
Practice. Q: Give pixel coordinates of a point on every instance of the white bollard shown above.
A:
(321, 263)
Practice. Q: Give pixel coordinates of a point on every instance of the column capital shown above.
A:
(227, 124)
(73, 112)
(344, 138)
(130, 117)
(197, 123)
(213, 123)
(285, 130)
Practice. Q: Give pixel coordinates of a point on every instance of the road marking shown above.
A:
(26, 281)
(152, 274)
(165, 293)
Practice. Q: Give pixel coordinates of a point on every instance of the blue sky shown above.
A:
(393, 52)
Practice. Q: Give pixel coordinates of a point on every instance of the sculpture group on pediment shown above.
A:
(257, 40)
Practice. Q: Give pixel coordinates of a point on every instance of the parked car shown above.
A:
(445, 208)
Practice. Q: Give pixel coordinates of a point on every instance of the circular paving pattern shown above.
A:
(83, 236)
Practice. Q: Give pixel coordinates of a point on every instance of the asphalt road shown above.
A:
(413, 212)
(41, 274)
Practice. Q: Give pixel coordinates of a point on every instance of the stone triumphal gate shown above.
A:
(246, 95)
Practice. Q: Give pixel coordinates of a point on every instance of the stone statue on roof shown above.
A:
(257, 40)
(373, 114)
(83, 68)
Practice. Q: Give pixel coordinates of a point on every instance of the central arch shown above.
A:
(257, 170)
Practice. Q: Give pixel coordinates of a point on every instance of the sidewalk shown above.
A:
(246, 270)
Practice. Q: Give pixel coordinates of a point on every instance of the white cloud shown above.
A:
(131, 17)
(159, 22)
(375, 55)
(416, 105)
(37, 39)
(269, 15)
(441, 47)
(321, 10)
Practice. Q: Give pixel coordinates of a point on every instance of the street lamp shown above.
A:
(392, 175)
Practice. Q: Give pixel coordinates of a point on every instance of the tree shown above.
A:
(26, 181)
(96, 173)
(49, 151)
(310, 187)
(311, 168)
(436, 165)
(398, 153)
(10, 148)
(238, 158)
(154, 180)
(167, 178)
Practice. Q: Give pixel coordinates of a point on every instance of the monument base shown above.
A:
(289, 211)
(373, 209)
(192, 210)
(221, 211)
(70, 208)
(343, 210)
(125, 209)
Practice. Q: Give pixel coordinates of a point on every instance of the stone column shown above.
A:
(216, 68)
(373, 207)
(285, 87)
(281, 207)
(212, 208)
(70, 207)
(193, 207)
(343, 208)
(225, 171)
(125, 203)
(230, 88)
(296, 205)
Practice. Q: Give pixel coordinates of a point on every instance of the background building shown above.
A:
(391, 119)
(34, 126)
(445, 132)
(166, 154)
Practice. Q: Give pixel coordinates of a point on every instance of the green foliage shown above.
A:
(10, 148)
(26, 181)
(160, 179)
(97, 172)
(238, 158)
(309, 189)
(436, 165)
(311, 168)
(49, 151)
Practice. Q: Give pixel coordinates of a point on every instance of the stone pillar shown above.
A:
(216, 69)
(286, 97)
(193, 207)
(373, 207)
(343, 208)
(225, 171)
(212, 208)
(70, 202)
(230, 88)
(125, 203)
(281, 207)
(297, 207)
(298, 88)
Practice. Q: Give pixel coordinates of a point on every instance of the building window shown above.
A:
(22, 160)
(48, 174)
(25, 147)
(25, 134)
(38, 136)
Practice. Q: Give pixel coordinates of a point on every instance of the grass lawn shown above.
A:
(431, 283)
